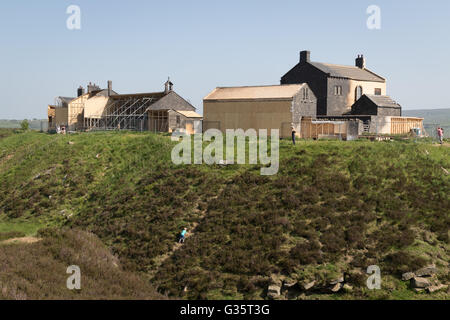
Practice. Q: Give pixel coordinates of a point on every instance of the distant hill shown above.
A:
(433, 116)
(432, 119)
(35, 124)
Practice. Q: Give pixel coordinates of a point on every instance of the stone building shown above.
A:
(337, 87)
(376, 106)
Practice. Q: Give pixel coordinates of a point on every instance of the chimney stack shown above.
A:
(168, 86)
(80, 91)
(360, 62)
(109, 88)
(92, 87)
(305, 56)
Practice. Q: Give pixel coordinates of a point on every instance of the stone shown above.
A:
(289, 283)
(71, 143)
(426, 272)
(338, 286)
(421, 283)
(273, 291)
(436, 288)
(276, 280)
(408, 276)
(301, 297)
(347, 288)
(309, 285)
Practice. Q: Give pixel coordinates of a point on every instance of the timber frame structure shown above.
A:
(124, 112)
(104, 109)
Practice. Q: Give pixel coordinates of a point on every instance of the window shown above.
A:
(178, 120)
(378, 91)
(358, 93)
(305, 94)
(338, 90)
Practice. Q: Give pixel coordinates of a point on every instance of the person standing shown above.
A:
(183, 235)
(293, 135)
(440, 133)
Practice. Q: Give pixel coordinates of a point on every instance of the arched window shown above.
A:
(358, 93)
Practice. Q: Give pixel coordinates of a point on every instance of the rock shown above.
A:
(339, 280)
(417, 290)
(347, 288)
(421, 283)
(70, 143)
(309, 285)
(301, 297)
(289, 283)
(276, 280)
(408, 276)
(436, 288)
(338, 286)
(273, 291)
(426, 272)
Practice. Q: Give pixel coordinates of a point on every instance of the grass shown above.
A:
(334, 207)
(25, 227)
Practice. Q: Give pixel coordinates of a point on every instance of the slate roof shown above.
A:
(173, 101)
(286, 91)
(154, 95)
(383, 101)
(66, 99)
(347, 72)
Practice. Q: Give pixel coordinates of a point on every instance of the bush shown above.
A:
(25, 125)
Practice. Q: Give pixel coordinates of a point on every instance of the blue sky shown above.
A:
(204, 44)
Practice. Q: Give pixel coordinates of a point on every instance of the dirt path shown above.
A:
(26, 240)
(446, 144)
(201, 214)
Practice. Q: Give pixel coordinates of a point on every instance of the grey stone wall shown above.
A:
(316, 80)
(301, 108)
(395, 112)
(337, 104)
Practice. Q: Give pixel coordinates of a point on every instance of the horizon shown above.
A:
(200, 48)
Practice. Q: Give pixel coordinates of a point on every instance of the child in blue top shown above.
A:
(183, 235)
